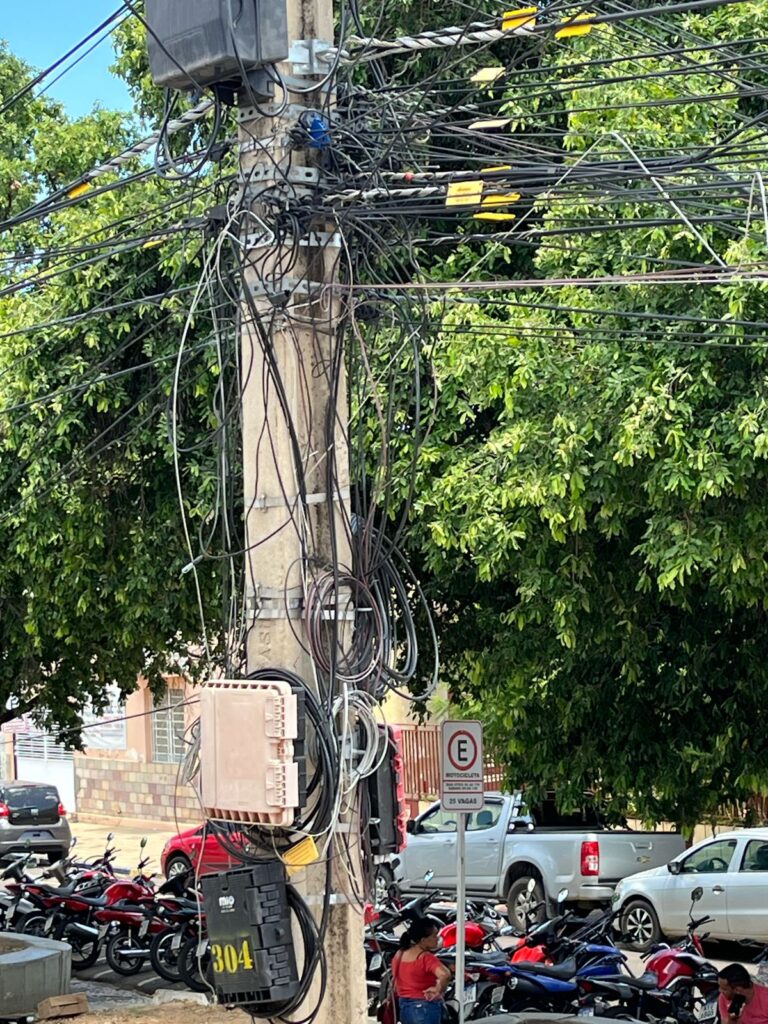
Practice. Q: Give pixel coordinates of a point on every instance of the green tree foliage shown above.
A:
(91, 584)
(592, 506)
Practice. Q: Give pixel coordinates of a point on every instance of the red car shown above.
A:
(199, 849)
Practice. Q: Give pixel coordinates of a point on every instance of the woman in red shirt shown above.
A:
(419, 978)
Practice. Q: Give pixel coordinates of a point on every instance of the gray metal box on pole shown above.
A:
(207, 42)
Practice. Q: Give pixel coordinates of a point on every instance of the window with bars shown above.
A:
(168, 727)
(106, 730)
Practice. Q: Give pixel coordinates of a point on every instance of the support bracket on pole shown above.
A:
(268, 603)
(310, 57)
(314, 240)
(291, 286)
(282, 500)
(297, 175)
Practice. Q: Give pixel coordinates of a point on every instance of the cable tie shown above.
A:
(191, 565)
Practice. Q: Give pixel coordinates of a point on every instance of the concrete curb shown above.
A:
(33, 970)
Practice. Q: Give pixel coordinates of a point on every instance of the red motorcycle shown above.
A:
(482, 929)
(136, 919)
(130, 928)
(50, 916)
(71, 912)
(683, 967)
(183, 916)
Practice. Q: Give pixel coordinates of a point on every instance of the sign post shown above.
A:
(462, 791)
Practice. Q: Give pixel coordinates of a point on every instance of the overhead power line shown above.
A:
(366, 49)
(33, 83)
(80, 187)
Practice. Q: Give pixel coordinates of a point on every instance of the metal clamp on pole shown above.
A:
(281, 501)
(311, 57)
(269, 603)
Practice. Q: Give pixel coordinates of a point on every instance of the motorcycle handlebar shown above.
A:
(414, 908)
(698, 923)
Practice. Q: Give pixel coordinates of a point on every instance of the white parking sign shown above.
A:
(462, 786)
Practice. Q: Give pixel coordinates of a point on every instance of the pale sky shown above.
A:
(41, 31)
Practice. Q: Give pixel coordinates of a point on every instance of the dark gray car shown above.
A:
(33, 820)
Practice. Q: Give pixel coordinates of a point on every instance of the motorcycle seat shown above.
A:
(128, 907)
(55, 890)
(645, 983)
(92, 901)
(183, 903)
(497, 959)
(563, 972)
(617, 986)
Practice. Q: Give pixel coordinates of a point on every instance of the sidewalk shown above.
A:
(92, 838)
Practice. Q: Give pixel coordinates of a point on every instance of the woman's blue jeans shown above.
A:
(421, 1011)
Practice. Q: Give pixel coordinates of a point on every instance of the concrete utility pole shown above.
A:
(302, 339)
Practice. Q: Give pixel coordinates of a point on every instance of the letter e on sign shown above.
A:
(462, 787)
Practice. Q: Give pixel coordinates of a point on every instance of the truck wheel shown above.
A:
(383, 879)
(640, 926)
(520, 901)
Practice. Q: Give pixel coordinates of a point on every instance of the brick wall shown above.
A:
(115, 787)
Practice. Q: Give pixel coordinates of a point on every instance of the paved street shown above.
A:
(146, 982)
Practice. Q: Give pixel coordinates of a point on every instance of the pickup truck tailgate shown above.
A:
(626, 853)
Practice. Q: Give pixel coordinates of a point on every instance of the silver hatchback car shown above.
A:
(33, 820)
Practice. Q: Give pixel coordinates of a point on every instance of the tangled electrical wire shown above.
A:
(417, 203)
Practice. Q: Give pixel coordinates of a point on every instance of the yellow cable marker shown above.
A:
(300, 856)
(464, 193)
(487, 76)
(574, 28)
(490, 170)
(152, 243)
(495, 216)
(79, 190)
(502, 200)
(524, 18)
(496, 122)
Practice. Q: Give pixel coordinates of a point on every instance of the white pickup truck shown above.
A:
(506, 846)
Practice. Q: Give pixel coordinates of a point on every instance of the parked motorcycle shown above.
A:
(683, 966)
(14, 907)
(82, 912)
(181, 916)
(676, 981)
(127, 921)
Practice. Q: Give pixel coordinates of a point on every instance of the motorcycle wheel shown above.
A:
(521, 1006)
(383, 882)
(196, 973)
(164, 959)
(34, 924)
(121, 964)
(484, 1007)
(85, 952)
